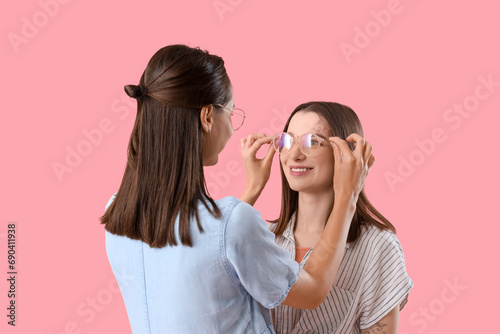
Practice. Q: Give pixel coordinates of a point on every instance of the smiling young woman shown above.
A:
(372, 284)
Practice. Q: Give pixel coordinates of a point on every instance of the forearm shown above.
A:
(387, 325)
(325, 259)
(317, 276)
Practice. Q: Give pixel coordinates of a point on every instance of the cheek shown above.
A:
(327, 165)
(228, 128)
(285, 169)
(224, 132)
(284, 157)
(283, 164)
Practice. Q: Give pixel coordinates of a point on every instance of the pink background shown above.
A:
(63, 71)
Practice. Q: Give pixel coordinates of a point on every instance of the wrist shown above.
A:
(253, 190)
(346, 199)
(250, 195)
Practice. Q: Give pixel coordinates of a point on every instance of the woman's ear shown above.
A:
(206, 118)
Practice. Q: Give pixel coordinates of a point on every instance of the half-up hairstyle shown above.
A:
(342, 122)
(164, 175)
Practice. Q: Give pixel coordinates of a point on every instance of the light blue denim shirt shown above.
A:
(225, 283)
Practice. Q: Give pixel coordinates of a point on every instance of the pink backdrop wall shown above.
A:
(423, 76)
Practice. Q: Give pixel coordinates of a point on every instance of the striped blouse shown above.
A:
(371, 281)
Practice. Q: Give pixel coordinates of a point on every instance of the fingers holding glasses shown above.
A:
(247, 142)
(359, 146)
(257, 170)
(343, 151)
(351, 167)
(253, 142)
(362, 148)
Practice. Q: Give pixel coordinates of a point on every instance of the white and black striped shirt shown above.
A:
(371, 281)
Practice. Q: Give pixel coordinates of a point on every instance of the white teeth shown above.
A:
(298, 170)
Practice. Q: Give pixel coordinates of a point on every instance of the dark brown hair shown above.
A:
(342, 121)
(164, 172)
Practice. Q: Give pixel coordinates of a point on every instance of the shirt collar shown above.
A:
(288, 233)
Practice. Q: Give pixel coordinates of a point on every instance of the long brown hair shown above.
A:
(342, 121)
(164, 172)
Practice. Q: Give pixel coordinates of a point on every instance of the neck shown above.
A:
(314, 210)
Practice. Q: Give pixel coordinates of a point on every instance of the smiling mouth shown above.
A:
(300, 170)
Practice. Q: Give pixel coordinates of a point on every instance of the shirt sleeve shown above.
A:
(253, 260)
(386, 283)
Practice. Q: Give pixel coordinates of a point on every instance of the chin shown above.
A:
(298, 187)
(211, 162)
(308, 190)
(309, 187)
(214, 162)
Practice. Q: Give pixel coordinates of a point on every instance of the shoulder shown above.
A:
(241, 223)
(272, 227)
(110, 201)
(233, 208)
(239, 217)
(381, 250)
(376, 246)
(289, 226)
(373, 236)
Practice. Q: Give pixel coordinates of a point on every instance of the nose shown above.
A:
(295, 153)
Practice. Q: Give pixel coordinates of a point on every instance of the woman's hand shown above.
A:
(257, 170)
(351, 167)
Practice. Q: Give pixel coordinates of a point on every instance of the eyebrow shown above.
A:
(320, 135)
(314, 133)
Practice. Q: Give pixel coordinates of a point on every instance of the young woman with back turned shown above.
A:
(184, 262)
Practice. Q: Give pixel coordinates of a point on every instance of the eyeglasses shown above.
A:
(309, 143)
(237, 116)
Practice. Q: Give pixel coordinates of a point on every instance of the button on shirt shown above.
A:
(225, 283)
(370, 282)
